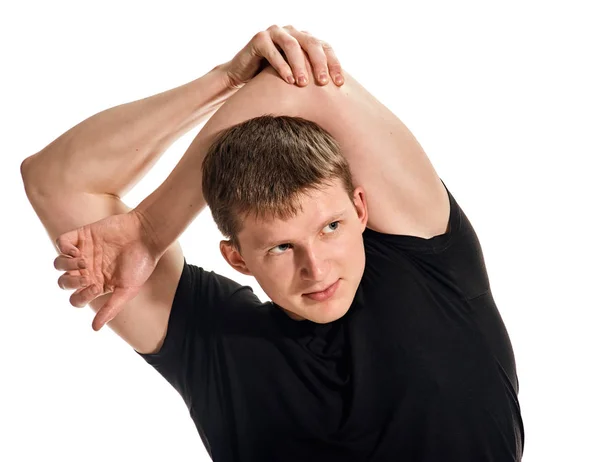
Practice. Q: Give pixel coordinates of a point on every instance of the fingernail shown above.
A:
(338, 79)
(323, 78)
(301, 79)
(290, 79)
(81, 264)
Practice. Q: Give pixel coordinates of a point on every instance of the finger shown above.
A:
(113, 307)
(81, 298)
(265, 47)
(70, 281)
(67, 243)
(331, 63)
(335, 68)
(313, 47)
(293, 52)
(65, 263)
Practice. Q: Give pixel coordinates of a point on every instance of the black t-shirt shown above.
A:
(421, 367)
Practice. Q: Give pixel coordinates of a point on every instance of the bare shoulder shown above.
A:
(144, 320)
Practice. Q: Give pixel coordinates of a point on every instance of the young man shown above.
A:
(381, 341)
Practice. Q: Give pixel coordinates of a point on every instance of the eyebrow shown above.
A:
(272, 243)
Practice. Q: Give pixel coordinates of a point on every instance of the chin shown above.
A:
(332, 317)
(323, 314)
(320, 312)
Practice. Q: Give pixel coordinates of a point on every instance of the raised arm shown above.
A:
(74, 186)
(407, 196)
(76, 182)
(403, 191)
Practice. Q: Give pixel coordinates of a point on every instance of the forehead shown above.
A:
(316, 208)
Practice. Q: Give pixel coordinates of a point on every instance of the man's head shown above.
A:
(280, 190)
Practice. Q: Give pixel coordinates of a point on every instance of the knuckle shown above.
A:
(290, 27)
(313, 41)
(260, 36)
(272, 30)
(289, 42)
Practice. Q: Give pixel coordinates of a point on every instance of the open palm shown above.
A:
(110, 255)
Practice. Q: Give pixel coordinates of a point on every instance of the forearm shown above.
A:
(346, 112)
(109, 152)
(178, 200)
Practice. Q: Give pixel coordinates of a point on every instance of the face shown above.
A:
(322, 245)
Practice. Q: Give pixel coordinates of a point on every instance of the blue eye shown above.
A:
(286, 246)
(278, 247)
(334, 222)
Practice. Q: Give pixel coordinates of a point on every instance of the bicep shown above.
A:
(143, 321)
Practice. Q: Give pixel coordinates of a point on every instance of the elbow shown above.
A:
(319, 103)
(26, 167)
(268, 93)
(31, 174)
(26, 176)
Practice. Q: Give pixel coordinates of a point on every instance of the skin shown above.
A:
(91, 166)
(307, 257)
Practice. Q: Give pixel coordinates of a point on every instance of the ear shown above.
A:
(360, 204)
(234, 258)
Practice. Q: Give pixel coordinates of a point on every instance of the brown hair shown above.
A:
(264, 165)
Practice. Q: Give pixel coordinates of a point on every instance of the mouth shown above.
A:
(323, 294)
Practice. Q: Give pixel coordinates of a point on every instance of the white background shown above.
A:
(503, 96)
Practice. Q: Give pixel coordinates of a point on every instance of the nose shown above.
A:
(314, 267)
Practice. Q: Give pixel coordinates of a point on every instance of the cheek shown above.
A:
(277, 279)
(355, 257)
(352, 248)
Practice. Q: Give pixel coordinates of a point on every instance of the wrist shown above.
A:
(223, 70)
(149, 233)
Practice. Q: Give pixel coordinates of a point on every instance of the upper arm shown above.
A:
(143, 321)
(403, 191)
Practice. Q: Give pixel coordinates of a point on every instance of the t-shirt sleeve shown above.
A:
(189, 342)
(456, 256)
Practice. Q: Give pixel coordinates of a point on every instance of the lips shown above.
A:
(324, 294)
(322, 290)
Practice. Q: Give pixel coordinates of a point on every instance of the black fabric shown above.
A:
(421, 367)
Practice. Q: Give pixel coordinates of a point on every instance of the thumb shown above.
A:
(67, 242)
(113, 306)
